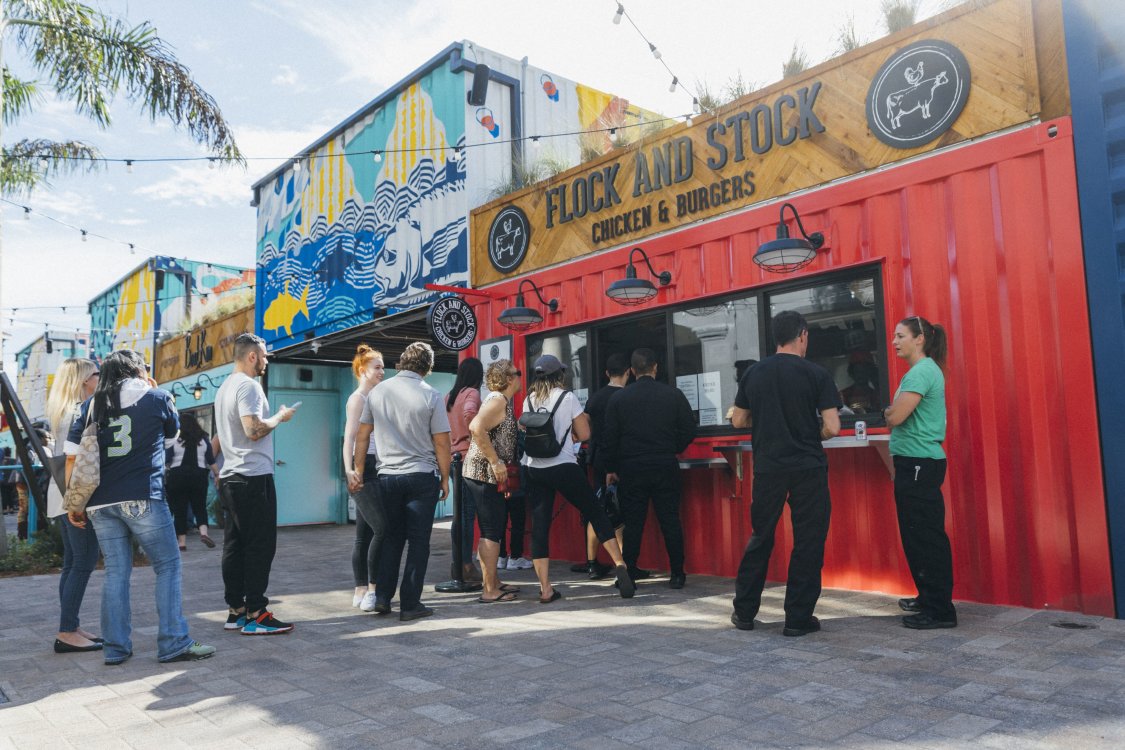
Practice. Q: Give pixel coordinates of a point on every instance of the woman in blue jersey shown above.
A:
(917, 421)
(134, 421)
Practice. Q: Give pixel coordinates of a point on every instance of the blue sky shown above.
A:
(285, 72)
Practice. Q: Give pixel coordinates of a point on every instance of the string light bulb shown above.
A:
(43, 163)
(674, 84)
(84, 234)
(26, 213)
(695, 105)
(617, 16)
(687, 120)
(132, 249)
(655, 51)
(211, 162)
(535, 141)
(128, 166)
(378, 157)
(296, 166)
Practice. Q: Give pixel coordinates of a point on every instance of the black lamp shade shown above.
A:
(631, 291)
(520, 318)
(785, 254)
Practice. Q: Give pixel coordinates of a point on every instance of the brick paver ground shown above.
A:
(664, 670)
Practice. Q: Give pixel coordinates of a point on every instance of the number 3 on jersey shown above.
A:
(122, 428)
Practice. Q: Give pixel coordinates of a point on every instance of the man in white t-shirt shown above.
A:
(244, 426)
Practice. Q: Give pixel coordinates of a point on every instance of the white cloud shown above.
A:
(196, 185)
(286, 77)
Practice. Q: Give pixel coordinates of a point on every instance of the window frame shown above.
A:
(762, 294)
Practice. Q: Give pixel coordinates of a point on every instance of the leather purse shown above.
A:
(86, 474)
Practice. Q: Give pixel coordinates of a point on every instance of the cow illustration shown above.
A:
(399, 264)
(916, 97)
(506, 241)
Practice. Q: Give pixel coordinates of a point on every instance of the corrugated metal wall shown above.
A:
(985, 239)
(1096, 63)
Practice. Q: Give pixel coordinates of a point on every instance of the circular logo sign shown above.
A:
(452, 323)
(508, 239)
(918, 94)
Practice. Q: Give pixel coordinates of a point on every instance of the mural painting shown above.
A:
(36, 366)
(161, 296)
(367, 219)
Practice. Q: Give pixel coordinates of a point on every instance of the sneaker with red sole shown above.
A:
(265, 624)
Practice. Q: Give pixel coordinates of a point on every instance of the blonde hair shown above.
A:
(540, 389)
(496, 378)
(66, 391)
(363, 355)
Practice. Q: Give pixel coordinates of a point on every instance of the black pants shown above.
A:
(921, 523)
(517, 525)
(492, 515)
(249, 540)
(635, 487)
(184, 488)
(370, 527)
(810, 509)
(409, 501)
(569, 481)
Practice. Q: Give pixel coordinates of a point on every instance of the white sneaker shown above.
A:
(356, 600)
(501, 563)
(519, 563)
(368, 603)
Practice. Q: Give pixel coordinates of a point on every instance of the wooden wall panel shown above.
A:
(997, 38)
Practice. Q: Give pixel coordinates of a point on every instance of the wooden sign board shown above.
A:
(202, 348)
(801, 132)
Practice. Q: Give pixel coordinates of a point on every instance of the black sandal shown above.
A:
(505, 596)
(554, 597)
(509, 587)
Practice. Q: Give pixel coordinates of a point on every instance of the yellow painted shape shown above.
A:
(284, 310)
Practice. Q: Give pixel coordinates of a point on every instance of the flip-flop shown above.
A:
(505, 596)
(554, 597)
(207, 540)
(509, 587)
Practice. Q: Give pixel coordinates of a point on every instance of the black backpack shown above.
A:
(540, 440)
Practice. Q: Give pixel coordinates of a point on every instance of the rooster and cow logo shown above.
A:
(508, 239)
(918, 94)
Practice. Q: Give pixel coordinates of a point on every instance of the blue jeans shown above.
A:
(151, 524)
(80, 556)
(408, 502)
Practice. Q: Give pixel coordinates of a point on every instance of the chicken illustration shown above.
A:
(913, 75)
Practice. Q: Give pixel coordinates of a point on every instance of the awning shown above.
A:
(390, 335)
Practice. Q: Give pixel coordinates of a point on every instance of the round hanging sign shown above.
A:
(452, 323)
(508, 239)
(918, 94)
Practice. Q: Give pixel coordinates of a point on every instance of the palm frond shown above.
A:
(32, 162)
(88, 57)
(19, 96)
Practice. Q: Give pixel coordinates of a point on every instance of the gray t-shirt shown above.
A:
(240, 396)
(407, 412)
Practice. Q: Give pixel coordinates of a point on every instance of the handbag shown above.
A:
(86, 474)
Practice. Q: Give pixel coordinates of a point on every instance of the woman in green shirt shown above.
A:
(917, 421)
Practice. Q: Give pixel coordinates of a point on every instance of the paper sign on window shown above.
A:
(710, 399)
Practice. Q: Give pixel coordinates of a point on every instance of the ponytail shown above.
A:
(935, 346)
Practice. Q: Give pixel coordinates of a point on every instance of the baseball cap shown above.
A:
(548, 364)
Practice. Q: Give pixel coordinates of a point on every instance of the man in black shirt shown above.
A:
(778, 399)
(647, 424)
(617, 371)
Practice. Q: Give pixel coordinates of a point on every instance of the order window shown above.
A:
(572, 351)
(714, 345)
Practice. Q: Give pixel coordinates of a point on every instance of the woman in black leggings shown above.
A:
(188, 461)
(561, 474)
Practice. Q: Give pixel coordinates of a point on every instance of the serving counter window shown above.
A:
(844, 323)
(714, 345)
(572, 351)
(705, 349)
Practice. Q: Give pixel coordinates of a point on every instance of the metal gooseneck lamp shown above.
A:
(197, 391)
(521, 317)
(633, 291)
(787, 254)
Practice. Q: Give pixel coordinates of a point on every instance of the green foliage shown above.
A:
(899, 14)
(798, 62)
(547, 165)
(847, 38)
(42, 554)
(88, 57)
